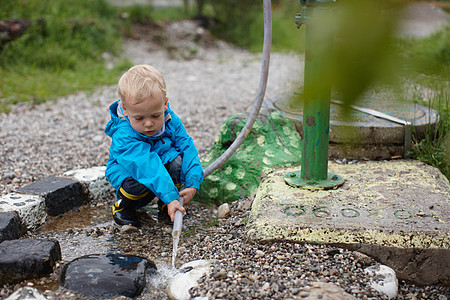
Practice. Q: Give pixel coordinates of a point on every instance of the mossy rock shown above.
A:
(272, 142)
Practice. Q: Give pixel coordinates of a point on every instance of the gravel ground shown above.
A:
(242, 269)
(66, 134)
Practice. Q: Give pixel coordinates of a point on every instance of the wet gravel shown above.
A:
(242, 269)
(66, 134)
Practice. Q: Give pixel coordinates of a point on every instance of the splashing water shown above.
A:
(176, 232)
(163, 274)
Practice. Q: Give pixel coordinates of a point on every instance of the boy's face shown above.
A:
(147, 117)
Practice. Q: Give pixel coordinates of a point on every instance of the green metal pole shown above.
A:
(316, 102)
(316, 105)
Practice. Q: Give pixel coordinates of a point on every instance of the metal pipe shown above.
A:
(178, 219)
(316, 105)
(259, 97)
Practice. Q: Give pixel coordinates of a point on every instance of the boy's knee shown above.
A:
(134, 191)
(174, 170)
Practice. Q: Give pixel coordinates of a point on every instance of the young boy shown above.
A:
(151, 154)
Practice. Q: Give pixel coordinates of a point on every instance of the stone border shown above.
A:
(34, 203)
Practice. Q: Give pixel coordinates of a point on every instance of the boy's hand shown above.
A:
(188, 194)
(172, 207)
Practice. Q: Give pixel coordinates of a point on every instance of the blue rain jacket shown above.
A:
(143, 158)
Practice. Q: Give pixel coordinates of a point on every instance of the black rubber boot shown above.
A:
(162, 209)
(125, 214)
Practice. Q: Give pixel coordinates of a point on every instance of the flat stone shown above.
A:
(60, 194)
(94, 181)
(393, 211)
(30, 208)
(27, 258)
(107, 275)
(9, 226)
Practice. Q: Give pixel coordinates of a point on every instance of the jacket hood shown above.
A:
(117, 121)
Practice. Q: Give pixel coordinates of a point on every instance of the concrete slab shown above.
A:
(384, 209)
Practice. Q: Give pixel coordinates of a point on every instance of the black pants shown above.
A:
(139, 194)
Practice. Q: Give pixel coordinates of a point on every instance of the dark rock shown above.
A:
(107, 275)
(60, 194)
(27, 258)
(9, 226)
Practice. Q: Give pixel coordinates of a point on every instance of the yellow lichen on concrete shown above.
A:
(397, 203)
(266, 230)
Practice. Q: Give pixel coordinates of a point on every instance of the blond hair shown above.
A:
(139, 83)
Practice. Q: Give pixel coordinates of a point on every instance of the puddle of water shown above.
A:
(82, 244)
(81, 217)
(91, 230)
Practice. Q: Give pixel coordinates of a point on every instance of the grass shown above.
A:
(243, 25)
(426, 59)
(433, 148)
(61, 53)
(426, 68)
(34, 85)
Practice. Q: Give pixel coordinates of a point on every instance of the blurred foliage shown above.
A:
(234, 19)
(425, 65)
(362, 52)
(425, 57)
(366, 53)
